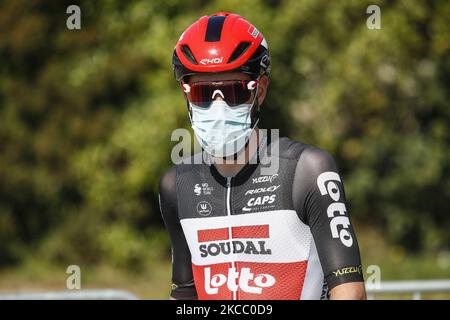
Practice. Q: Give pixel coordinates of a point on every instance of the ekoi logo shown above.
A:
(237, 280)
(327, 185)
(206, 61)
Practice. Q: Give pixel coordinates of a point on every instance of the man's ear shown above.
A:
(262, 89)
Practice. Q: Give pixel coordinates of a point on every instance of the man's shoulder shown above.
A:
(167, 182)
(310, 157)
(179, 168)
(295, 149)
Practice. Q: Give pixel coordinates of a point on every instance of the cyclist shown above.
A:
(239, 231)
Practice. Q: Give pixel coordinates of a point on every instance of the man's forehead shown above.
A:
(219, 76)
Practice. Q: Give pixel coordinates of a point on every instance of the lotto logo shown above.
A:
(237, 280)
(326, 182)
(245, 280)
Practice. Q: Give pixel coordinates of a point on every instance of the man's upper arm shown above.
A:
(320, 200)
(182, 278)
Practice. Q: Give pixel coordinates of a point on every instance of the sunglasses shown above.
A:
(233, 92)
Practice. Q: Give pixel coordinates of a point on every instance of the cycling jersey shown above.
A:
(283, 235)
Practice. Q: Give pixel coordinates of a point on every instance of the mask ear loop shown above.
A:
(255, 103)
(186, 90)
(257, 119)
(208, 159)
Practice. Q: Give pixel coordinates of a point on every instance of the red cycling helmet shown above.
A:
(221, 42)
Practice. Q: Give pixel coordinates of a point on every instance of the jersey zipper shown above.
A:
(233, 265)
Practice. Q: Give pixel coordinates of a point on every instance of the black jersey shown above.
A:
(282, 235)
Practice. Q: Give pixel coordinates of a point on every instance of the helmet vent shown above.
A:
(239, 51)
(188, 54)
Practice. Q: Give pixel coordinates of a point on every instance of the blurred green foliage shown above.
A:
(86, 117)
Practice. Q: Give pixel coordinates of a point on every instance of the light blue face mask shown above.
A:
(222, 130)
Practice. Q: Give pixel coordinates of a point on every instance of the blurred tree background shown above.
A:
(86, 117)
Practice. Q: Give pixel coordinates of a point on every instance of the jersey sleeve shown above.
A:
(183, 287)
(319, 198)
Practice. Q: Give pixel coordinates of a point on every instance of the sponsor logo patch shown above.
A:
(261, 190)
(339, 223)
(253, 31)
(238, 280)
(355, 269)
(217, 246)
(261, 202)
(202, 188)
(197, 190)
(207, 61)
(269, 178)
(204, 208)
